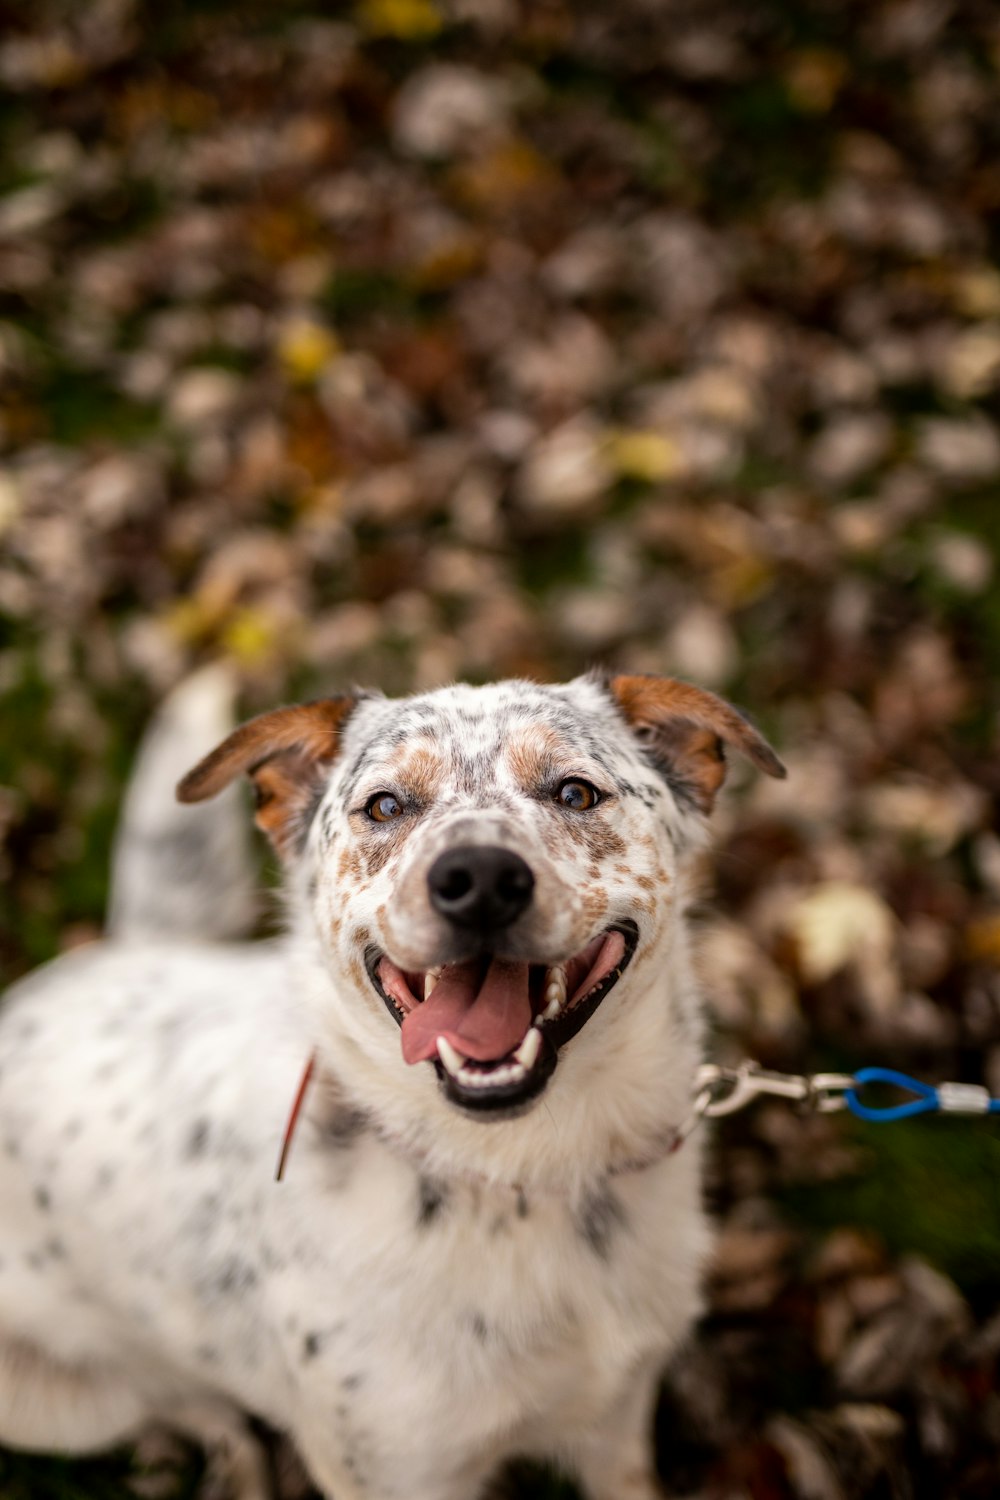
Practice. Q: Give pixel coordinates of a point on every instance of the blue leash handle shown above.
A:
(961, 1098)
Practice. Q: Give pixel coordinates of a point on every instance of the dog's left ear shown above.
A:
(286, 754)
(686, 728)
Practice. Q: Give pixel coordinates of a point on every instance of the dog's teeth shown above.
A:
(452, 1059)
(555, 992)
(527, 1053)
(473, 1078)
(479, 1078)
(430, 980)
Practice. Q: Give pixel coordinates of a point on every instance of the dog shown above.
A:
(483, 1243)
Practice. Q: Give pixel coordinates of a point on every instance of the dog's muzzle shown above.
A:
(491, 1024)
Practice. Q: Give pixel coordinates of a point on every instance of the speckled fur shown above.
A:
(425, 1294)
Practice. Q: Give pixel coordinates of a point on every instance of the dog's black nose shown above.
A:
(480, 886)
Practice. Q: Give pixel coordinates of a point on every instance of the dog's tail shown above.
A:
(183, 872)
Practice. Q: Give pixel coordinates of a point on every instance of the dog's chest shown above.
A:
(538, 1304)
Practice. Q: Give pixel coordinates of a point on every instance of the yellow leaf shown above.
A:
(305, 349)
(408, 20)
(251, 635)
(972, 364)
(814, 78)
(976, 291)
(10, 503)
(191, 619)
(449, 261)
(505, 176)
(642, 454)
(982, 938)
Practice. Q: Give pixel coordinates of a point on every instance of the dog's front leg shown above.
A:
(615, 1458)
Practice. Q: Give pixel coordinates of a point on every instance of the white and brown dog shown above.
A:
(482, 1245)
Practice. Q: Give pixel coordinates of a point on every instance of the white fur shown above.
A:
(425, 1294)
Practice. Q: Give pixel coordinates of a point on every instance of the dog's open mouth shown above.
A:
(493, 1026)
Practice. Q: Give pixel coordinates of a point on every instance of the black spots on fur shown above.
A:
(43, 1199)
(354, 1471)
(105, 1178)
(305, 818)
(326, 825)
(196, 1140)
(232, 1277)
(522, 1205)
(645, 795)
(343, 1126)
(599, 1220)
(207, 1354)
(432, 1199)
(479, 1328)
(353, 1381)
(12, 1148)
(317, 1339)
(43, 1255)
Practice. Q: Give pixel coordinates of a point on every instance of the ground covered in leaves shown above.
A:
(406, 340)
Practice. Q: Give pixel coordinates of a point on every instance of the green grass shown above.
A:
(29, 1478)
(926, 1187)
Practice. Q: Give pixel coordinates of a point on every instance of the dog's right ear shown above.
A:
(286, 754)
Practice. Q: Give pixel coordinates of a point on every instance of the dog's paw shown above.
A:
(235, 1469)
(635, 1485)
(236, 1466)
(159, 1462)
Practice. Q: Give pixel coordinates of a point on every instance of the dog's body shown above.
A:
(446, 1276)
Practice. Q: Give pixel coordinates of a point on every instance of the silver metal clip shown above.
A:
(732, 1089)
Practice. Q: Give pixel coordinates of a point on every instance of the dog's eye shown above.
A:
(383, 807)
(578, 796)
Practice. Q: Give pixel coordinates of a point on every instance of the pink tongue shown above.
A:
(484, 1021)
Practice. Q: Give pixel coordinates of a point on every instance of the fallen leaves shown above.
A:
(428, 341)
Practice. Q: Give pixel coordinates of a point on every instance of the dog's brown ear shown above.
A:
(686, 729)
(285, 753)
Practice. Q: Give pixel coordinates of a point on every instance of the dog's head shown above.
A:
(483, 867)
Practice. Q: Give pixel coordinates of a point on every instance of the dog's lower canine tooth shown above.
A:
(452, 1059)
(527, 1053)
(430, 980)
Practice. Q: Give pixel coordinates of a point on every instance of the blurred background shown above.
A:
(405, 340)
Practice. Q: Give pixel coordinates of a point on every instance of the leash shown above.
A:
(722, 1091)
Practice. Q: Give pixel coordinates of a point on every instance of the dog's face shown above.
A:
(484, 866)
